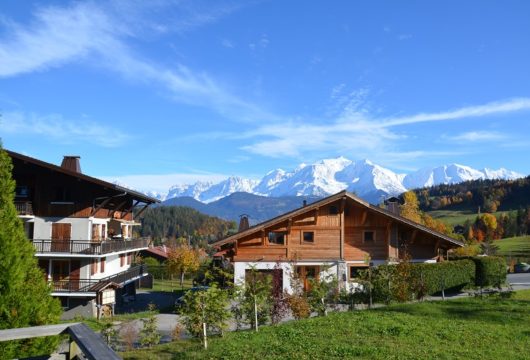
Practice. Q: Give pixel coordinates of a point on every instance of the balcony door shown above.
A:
(61, 234)
(60, 274)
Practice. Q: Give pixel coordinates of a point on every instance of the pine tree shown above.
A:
(24, 294)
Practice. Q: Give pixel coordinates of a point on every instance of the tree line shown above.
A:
(171, 222)
(487, 195)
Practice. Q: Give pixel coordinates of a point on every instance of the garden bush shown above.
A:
(388, 284)
(490, 271)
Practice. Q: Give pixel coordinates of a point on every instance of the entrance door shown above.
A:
(60, 274)
(306, 274)
(61, 234)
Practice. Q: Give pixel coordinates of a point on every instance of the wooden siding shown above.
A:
(56, 194)
(388, 243)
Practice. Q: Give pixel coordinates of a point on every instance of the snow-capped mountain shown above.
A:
(368, 180)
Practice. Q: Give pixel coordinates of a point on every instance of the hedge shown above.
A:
(388, 282)
(449, 275)
(490, 270)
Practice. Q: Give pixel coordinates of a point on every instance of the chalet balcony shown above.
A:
(91, 285)
(24, 208)
(82, 247)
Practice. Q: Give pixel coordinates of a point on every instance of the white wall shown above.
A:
(112, 266)
(81, 228)
(328, 269)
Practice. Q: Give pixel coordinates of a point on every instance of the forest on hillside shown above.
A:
(171, 222)
(484, 195)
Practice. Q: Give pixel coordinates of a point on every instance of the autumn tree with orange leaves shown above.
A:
(183, 259)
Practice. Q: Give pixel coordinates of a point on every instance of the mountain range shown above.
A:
(366, 179)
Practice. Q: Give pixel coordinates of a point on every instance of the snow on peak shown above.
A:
(328, 176)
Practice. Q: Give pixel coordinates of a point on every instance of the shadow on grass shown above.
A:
(487, 310)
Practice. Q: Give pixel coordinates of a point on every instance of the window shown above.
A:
(333, 210)
(277, 238)
(369, 237)
(308, 237)
(354, 271)
(22, 192)
(62, 195)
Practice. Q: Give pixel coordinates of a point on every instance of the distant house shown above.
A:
(336, 235)
(159, 253)
(81, 228)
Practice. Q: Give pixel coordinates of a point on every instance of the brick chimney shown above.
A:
(243, 222)
(71, 163)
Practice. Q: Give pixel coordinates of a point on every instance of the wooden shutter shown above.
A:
(61, 233)
(102, 267)
(94, 267)
(122, 260)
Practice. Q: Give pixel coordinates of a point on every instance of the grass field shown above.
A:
(454, 217)
(170, 285)
(515, 247)
(471, 328)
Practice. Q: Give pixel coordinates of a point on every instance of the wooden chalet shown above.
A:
(81, 228)
(336, 235)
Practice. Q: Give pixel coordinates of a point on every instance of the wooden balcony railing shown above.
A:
(24, 207)
(89, 344)
(90, 285)
(88, 247)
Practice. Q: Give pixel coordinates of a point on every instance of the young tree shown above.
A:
(149, 334)
(206, 311)
(182, 260)
(321, 293)
(24, 294)
(255, 298)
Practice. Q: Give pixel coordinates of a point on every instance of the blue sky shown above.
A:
(178, 91)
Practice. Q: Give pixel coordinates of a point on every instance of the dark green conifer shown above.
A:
(24, 293)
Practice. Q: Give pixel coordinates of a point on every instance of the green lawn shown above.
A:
(517, 247)
(456, 217)
(490, 328)
(170, 285)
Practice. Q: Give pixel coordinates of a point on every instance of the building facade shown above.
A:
(335, 236)
(82, 231)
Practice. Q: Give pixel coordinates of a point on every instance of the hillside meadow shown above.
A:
(467, 328)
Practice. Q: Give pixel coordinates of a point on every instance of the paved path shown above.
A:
(519, 281)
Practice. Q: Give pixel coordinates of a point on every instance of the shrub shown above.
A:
(149, 335)
(299, 306)
(387, 281)
(449, 275)
(321, 293)
(490, 271)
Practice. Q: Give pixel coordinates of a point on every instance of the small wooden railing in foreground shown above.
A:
(84, 343)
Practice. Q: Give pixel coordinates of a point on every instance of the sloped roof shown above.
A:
(328, 200)
(135, 194)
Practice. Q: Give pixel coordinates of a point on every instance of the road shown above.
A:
(519, 281)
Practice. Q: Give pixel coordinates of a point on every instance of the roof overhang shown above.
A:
(330, 199)
(105, 184)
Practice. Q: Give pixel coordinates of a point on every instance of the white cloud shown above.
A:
(357, 132)
(475, 136)
(227, 44)
(66, 131)
(95, 35)
(402, 37)
(492, 108)
(161, 183)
